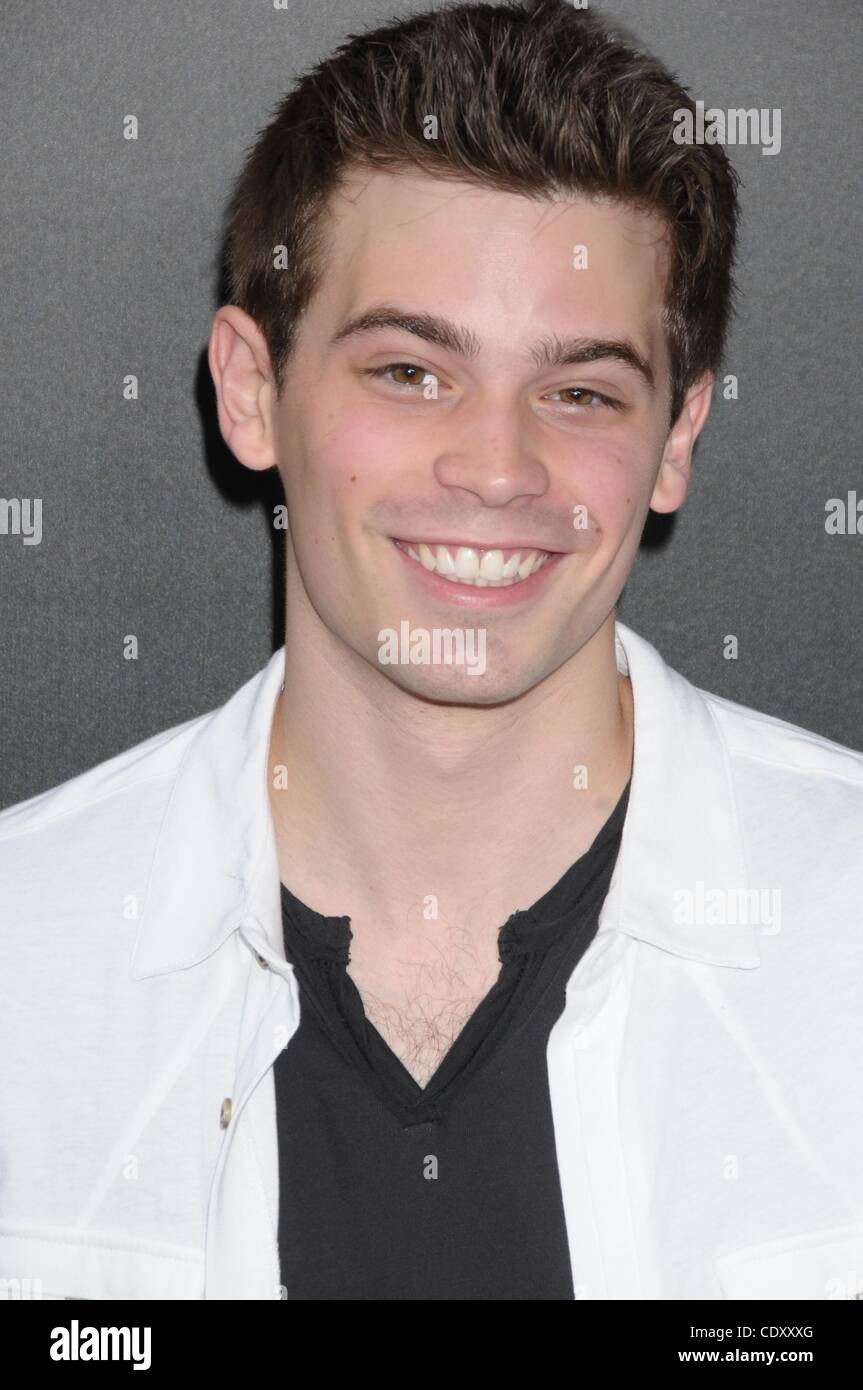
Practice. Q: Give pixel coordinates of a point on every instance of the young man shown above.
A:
(469, 951)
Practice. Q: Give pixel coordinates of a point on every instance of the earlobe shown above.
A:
(242, 375)
(672, 484)
(675, 470)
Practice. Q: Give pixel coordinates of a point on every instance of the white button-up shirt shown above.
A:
(706, 1074)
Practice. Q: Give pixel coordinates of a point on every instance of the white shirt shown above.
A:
(705, 1075)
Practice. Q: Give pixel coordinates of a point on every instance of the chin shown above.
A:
(450, 686)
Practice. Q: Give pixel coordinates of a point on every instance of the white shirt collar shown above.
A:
(215, 865)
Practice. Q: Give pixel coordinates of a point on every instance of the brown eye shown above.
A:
(581, 398)
(582, 394)
(413, 374)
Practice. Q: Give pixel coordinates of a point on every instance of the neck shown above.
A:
(391, 799)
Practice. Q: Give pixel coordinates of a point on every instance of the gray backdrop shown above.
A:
(110, 265)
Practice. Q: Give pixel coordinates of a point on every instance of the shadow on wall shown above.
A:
(243, 487)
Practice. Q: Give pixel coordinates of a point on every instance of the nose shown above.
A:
(490, 453)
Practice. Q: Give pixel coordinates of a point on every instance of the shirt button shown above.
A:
(225, 1115)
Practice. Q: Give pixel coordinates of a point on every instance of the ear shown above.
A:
(675, 470)
(245, 386)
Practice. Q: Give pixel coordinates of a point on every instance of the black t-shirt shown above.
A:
(390, 1190)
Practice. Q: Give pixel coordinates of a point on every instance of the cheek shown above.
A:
(612, 482)
(332, 481)
(348, 455)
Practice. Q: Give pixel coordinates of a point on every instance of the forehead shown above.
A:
(506, 264)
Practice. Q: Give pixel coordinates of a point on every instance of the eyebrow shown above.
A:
(549, 351)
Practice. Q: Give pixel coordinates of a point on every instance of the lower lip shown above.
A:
(468, 595)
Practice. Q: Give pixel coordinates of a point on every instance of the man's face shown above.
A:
(389, 443)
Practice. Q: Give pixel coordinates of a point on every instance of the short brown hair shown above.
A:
(542, 100)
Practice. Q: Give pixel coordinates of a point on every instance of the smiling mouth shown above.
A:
(493, 568)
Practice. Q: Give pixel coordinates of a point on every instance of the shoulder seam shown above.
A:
(797, 767)
(85, 805)
(808, 737)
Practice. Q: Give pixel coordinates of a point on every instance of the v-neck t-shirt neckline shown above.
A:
(559, 925)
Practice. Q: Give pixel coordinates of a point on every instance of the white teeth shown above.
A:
(491, 565)
(527, 564)
(466, 563)
(482, 568)
(443, 561)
